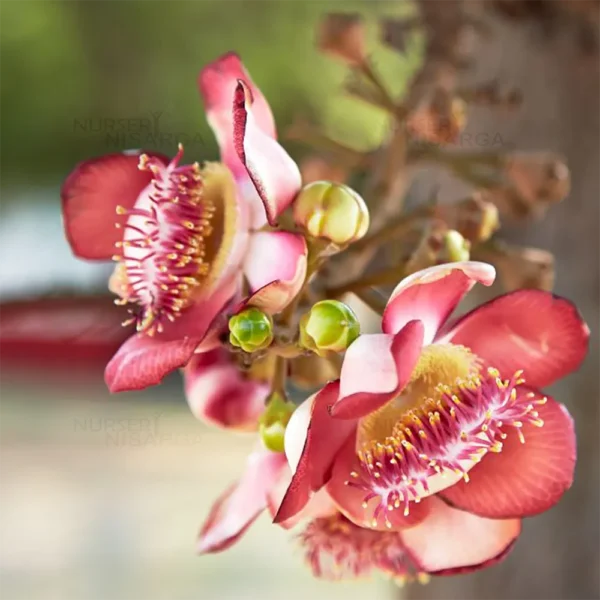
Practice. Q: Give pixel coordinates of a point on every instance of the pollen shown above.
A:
(162, 257)
(437, 440)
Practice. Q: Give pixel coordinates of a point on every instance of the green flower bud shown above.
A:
(332, 211)
(456, 248)
(251, 330)
(329, 326)
(274, 421)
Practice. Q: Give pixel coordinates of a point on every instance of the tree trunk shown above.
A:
(557, 555)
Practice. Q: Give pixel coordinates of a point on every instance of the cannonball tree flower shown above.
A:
(437, 432)
(183, 235)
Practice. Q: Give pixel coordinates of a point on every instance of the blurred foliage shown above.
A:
(69, 65)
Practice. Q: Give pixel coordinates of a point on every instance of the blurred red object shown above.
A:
(69, 334)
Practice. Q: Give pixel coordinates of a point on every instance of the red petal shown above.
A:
(451, 541)
(219, 393)
(532, 330)
(241, 504)
(524, 479)
(324, 437)
(381, 363)
(90, 196)
(143, 361)
(432, 295)
(274, 174)
(350, 499)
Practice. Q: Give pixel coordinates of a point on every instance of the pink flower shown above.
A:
(436, 433)
(220, 394)
(184, 235)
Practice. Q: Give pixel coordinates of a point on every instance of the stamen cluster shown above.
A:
(440, 436)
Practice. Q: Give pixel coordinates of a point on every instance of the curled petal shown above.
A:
(351, 501)
(274, 174)
(432, 294)
(275, 268)
(524, 479)
(376, 368)
(320, 437)
(241, 504)
(452, 541)
(533, 330)
(144, 360)
(90, 196)
(220, 394)
(217, 82)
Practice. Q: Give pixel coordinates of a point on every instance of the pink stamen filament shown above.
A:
(439, 435)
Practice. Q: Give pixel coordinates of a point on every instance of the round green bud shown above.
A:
(329, 326)
(251, 330)
(456, 248)
(332, 211)
(273, 422)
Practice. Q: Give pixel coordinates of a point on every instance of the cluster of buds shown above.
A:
(247, 310)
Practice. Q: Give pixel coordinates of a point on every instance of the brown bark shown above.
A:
(558, 553)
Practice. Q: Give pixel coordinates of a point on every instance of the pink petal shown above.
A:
(524, 479)
(323, 438)
(143, 360)
(61, 334)
(90, 196)
(375, 369)
(452, 541)
(432, 294)
(350, 499)
(532, 330)
(320, 504)
(240, 505)
(276, 265)
(220, 394)
(217, 82)
(274, 174)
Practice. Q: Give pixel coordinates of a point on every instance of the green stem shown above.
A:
(369, 72)
(279, 376)
(394, 229)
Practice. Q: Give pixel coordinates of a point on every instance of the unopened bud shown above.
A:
(475, 218)
(274, 420)
(539, 178)
(329, 326)
(456, 248)
(439, 120)
(332, 211)
(251, 330)
(342, 36)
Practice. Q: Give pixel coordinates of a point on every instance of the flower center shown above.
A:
(336, 548)
(173, 240)
(438, 436)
